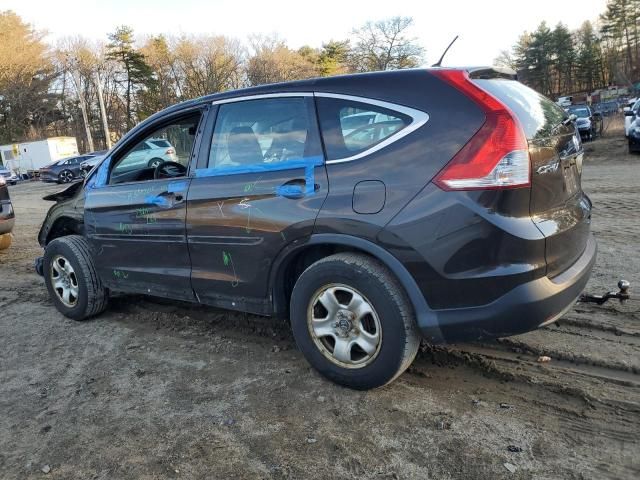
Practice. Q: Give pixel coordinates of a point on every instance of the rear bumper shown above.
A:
(526, 307)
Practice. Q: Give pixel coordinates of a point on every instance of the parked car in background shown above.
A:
(630, 115)
(629, 103)
(449, 222)
(149, 153)
(87, 165)
(633, 137)
(9, 177)
(7, 217)
(589, 124)
(65, 170)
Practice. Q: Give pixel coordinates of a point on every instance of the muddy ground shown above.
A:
(153, 389)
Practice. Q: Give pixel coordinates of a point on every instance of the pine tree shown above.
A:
(589, 62)
(136, 73)
(564, 58)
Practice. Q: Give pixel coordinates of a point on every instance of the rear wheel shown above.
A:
(72, 280)
(154, 162)
(352, 321)
(65, 176)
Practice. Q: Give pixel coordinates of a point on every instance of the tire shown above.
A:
(5, 241)
(65, 176)
(392, 318)
(154, 162)
(90, 295)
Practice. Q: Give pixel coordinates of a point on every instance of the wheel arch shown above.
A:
(294, 259)
(61, 227)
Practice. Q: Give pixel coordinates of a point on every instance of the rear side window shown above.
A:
(161, 143)
(350, 127)
(538, 115)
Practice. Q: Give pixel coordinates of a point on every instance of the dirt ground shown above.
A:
(153, 389)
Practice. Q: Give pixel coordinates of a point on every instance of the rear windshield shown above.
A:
(161, 143)
(538, 115)
(580, 112)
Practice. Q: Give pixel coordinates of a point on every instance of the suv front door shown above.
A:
(135, 214)
(258, 188)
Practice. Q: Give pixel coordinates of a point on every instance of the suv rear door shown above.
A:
(259, 186)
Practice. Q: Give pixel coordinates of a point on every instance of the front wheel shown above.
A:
(352, 321)
(71, 278)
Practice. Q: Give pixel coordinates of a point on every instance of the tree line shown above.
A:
(51, 90)
(557, 61)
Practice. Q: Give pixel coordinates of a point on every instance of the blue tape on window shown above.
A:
(304, 162)
(309, 180)
(174, 187)
(101, 176)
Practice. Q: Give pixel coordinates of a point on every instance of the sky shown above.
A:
(485, 27)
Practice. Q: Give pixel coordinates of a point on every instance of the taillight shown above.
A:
(170, 151)
(497, 156)
(3, 182)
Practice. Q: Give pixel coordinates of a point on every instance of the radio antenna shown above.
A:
(439, 62)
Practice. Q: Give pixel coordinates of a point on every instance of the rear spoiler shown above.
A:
(486, 73)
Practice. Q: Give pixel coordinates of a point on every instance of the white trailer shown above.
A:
(23, 158)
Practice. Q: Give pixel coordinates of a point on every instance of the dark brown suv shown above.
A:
(372, 210)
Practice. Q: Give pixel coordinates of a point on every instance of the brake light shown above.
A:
(497, 156)
(170, 151)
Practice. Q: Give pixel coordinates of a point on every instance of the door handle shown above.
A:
(295, 188)
(166, 199)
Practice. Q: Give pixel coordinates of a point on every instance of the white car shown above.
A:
(10, 177)
(151, 152)
(630, 116)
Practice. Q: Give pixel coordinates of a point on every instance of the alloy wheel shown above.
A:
(64, 281)
(66, 176)
(344, 326)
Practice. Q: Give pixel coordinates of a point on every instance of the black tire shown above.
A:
(154, 162)
(92, 296)
(399, 336)
(65, 176)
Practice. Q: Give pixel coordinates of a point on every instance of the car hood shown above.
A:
(68, 192)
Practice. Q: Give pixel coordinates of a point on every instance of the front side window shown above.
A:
(351, 127)
(257, 134)
(169, 146)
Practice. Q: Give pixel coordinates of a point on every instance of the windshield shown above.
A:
(580, 112)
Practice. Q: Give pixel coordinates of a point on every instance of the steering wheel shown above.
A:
(169, 170)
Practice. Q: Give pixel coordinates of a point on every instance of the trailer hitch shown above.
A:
(622, 295)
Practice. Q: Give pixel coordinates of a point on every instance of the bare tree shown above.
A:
(384, 45)
(272, 61)
(207, 64)
(505, 59)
